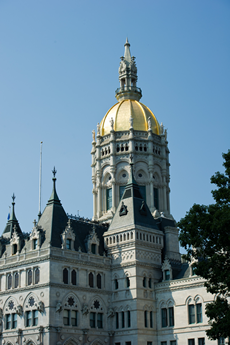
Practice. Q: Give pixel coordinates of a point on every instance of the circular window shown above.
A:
(139, 175)
(124, 175)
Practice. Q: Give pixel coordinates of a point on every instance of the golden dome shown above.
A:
(121, 113)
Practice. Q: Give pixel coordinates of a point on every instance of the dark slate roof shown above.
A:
(184, 271)
(11, 224)
(135, 210)
(53, 222)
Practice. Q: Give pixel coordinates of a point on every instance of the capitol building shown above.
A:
(117, 279)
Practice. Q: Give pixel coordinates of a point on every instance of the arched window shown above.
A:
(120, 238)
(124, 237)
(99, 281)
(65, 276)
(132, 235)
(30, 277)
(146, 318)
(140, 236)
(110, 240)
(16, 280)
(127, 236)
(144, 282)
(116, 284)
(73, 277)
(143, 237)
(37, 275)
(91, 280)
(150, 283)
(113, 239)
(127, 282)
(9, 281)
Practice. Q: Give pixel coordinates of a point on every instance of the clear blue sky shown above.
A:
(59, 71)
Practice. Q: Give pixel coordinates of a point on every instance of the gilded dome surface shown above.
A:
(121, 113)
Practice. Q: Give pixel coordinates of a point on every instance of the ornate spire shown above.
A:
(54, 197)
(128, 77)
(12, 216)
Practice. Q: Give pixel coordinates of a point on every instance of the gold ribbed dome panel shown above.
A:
(121, 113)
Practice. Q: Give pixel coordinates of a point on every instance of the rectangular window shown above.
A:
(35, 317)
(191, 314)
(191, 341)
(99, 320)
(146, 318)
(122, 189)
(8, 321)
(201, 341)
(164, 343)
(123, 319)
(93, 248)
(117, 343)
(109, 198)
(28, 318)
(149, 343)
(167, 275)
(128, 343)
(171, 317)
(14, 320)
(164, 321)
(117, 320)
(68, 243)
(172, 342)
(66, 317)
(128, 318)
(156, 198)
(73, 318)
(93, 320)
(199, 313)
(221, 341)
(151, 319)
(35, 243)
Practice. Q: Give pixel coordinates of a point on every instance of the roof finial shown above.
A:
(54, 198)
(13, 198)
(54, 171)
(127, 54)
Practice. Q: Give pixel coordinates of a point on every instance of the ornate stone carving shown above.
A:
(85, 309)
(123, 210)
(111, 312)
(58, 307)
(19, 310)
(41, 306)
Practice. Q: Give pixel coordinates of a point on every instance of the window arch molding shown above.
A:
(71, 307)
(97, 313)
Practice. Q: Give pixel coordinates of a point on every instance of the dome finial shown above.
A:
(128, 77)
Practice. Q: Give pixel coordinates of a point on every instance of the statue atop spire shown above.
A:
(128, 77)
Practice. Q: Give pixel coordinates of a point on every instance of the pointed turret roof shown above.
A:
(127, 56)
(53, 219)
(12, 223)
(132, 210)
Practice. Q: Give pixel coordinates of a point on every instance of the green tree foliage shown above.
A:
(205, 234)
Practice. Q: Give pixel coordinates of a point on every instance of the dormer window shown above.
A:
(68, 243)
(14, 249)
(35, 243)
(68, 237)
(93, 248)
(167, 275)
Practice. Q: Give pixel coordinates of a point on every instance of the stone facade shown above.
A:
(115, 280)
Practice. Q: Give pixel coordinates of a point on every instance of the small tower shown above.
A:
(129, 127)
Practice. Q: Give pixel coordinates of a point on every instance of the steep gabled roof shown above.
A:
(132, 209)
(12, 223)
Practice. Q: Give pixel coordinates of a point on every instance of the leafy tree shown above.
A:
(205, 234)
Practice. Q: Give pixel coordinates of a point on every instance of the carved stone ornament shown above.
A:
(123, 210)
(112, 124)
(41, 306)
(98, 128)
(15, 239)
(92, 239)
(58, 307)
(131, 122)
(122, 67)
(93, 135)
(19, 310)
(149, 123)
(85, 309)
(143, 209)
(111, 312)
(1, 313)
